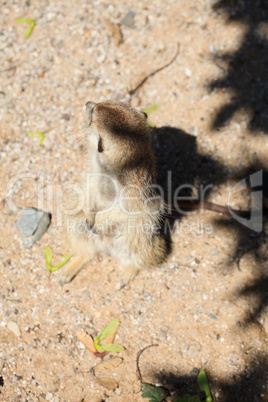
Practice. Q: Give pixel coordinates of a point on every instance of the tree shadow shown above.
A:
(253, 244)
(180, 166)
(181, 172)
(245, 76)
(245, 70)
(250, 385)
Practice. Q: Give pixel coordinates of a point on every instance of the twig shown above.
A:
(133, 91)
(138, 358)
(8, 69)
(242, 254)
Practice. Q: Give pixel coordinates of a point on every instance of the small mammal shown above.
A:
(122, 212)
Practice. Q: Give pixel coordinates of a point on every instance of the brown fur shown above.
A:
(119, 162)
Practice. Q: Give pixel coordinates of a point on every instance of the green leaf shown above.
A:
(151, 108)
(48, 255)
(108, 330)
(154, 394)
(24, 20)
(64, 259)
(48, 258)
(202, 382)
(112, 347)
(41, 135)
(29, 30)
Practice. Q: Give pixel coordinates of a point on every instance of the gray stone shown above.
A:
(32, 224)
(128, 20)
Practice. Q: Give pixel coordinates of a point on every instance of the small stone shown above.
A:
(49, 396)
(13, 326)
(215, 251)
(66, 117)
(188, 72)
(128, 20)
(32, 224)
(146, 295)
(198, 346)
(213, 317)
(162, 334)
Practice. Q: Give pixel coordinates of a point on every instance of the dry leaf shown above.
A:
(87, 340)
(109, 364)
(107, 383)
(115, 30)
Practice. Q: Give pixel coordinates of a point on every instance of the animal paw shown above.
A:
(70, 270)
(128, 275)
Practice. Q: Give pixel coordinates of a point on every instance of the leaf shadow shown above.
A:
(246, 69)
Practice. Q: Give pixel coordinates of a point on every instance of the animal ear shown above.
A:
(145, 115)
(89, 108)
(100, 145)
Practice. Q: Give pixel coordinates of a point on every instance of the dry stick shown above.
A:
(8, 69)
(133, 91)
(138, 357)
(211, 206)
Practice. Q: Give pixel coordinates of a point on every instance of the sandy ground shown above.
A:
(206, 307)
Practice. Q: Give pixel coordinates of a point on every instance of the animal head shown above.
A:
(118, 133)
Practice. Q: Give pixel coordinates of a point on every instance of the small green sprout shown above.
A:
(110, 332)
(31, 23)
(202, 382)
(48, 257)
(149, 110)
(38, 133)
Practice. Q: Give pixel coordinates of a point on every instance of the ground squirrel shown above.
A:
(122, 211)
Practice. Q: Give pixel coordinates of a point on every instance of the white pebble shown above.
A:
(49, 396)
(13, 326)
(188, 72)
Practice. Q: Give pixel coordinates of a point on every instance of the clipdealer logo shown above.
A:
(50, 195)
(255, 221)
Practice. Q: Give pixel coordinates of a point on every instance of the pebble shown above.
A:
(32, 224)
(212, 316)
(128, 20)
(13, 326)
(215, 251)
(188, 72)
(162, 334)
(49, 396)
(146, 295)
